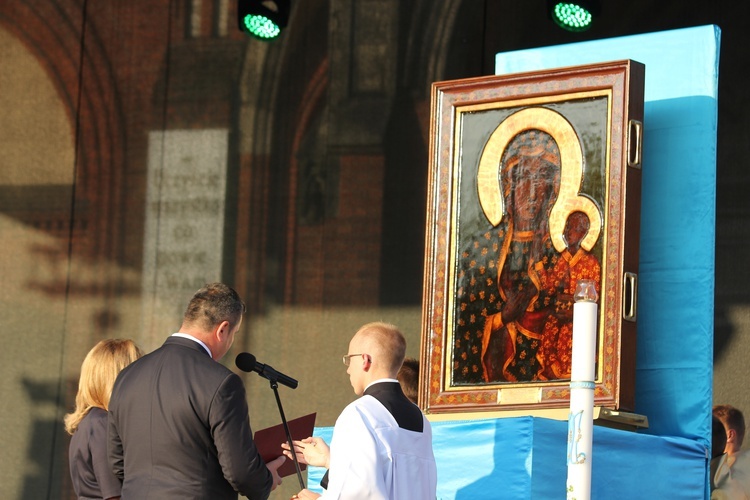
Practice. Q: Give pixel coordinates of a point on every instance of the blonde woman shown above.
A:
(89, 468)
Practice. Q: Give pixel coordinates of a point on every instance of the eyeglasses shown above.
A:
(348, 357)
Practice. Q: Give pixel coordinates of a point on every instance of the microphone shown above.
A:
(247, 363)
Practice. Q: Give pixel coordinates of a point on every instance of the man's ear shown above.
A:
(731, 435)
(366, 362)
(222, 330)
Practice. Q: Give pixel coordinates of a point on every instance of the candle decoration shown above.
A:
(581, 416)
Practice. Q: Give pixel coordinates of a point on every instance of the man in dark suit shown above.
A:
(178, 420)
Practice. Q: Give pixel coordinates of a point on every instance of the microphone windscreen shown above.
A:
(245, 362)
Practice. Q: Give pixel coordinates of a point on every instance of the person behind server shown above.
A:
(408, 377)
(731, 479)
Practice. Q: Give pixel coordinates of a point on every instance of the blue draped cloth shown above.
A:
(525, 458)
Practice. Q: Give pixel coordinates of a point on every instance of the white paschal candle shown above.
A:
(582, 376)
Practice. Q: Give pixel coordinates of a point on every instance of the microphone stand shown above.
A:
(275, 387)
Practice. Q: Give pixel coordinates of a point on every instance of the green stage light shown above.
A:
(263, 19)
(261, 26)
(573, 16)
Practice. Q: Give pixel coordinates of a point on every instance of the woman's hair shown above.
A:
(98, 373)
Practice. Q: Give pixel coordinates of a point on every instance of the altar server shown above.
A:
(382, 443)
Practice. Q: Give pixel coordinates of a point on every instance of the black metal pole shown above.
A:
(275, 387)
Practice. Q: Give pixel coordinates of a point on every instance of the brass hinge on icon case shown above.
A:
(635, 143)
(630, 280)
(629, 296)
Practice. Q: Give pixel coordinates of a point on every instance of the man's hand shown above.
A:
(310, 451)
(273, 467)
(305, 495)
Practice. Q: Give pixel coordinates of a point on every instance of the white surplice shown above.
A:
(373, 458)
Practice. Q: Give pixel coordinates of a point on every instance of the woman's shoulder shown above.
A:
(95, 416)
(95, 419)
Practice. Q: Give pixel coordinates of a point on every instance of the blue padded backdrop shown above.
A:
(674, 375)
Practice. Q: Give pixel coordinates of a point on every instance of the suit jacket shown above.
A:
(87, 456)
(179, 428)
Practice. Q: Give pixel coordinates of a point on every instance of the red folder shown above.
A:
(269, 441)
